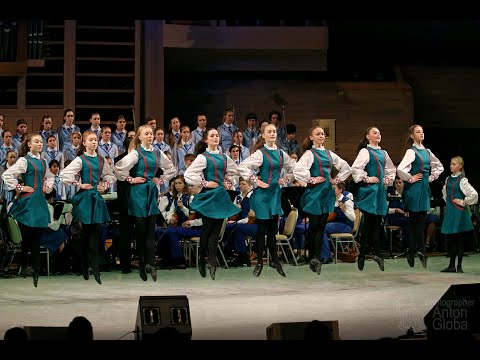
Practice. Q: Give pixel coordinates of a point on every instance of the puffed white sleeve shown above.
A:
(444, 191)
(107, 173)
(358, 166)
(288, 165)
(390, 170)
(471, 195)
(167, 166)
(67, 175)
(194, 173)
(344, 170)
(10, 176)
(403, 169)
(301, 170)
(436, 166)
(246, 167)
(122, 168)
(232, 170)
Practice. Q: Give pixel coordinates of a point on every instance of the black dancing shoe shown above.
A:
(202, 269)
(423, 259)
(258, 270)
(315, 265)
(85, 272)
(459, 270)
(152, 270)
(449, 269)
(142, 272)
(96, 275)
(35, 278)
(212, 269)
(411, 260)
(361, 262)
(279, 269)
(380, 261)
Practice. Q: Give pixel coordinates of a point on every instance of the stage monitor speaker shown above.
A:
(296, 330)
(457, 313)
(47, 333)
(163, 317)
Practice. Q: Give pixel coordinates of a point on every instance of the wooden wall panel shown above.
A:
(33, 118)
(355, 106)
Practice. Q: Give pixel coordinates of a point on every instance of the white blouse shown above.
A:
(363, 157)
(406, 165)
(67, 175)
(10, 175)
(194, 173)
(122, 168)
(301, 171)
(471, 195)
(255, 160)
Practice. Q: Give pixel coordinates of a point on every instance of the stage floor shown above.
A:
(238, 306)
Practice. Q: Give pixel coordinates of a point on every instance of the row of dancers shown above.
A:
(267, 167)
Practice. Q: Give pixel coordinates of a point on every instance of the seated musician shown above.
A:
(179, 211)
(342, 221)
(396, 215)
(189, 228)
(239, 227)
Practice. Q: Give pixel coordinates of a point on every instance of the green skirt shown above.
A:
(143, 200)
(89, 207)
(214, 203)
(318, 199)
(267, 203)
(31, 210)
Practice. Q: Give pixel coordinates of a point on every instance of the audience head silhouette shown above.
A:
(15, 335)
(317, 331)
(80, 330)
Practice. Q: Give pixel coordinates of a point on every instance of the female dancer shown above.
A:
(315, 168)
(31, 211)
(374, 170)
(211, 169)
(266, 198)
(89, 207)
(139, 168)
(418, 168)
(457, 193)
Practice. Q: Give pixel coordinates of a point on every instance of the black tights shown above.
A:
(209, 239)
(267, 228)
(416, 228)
(371, 234)
(456, 244)
(144, 228)
(30, 242)
(316, 228)
(90, 239)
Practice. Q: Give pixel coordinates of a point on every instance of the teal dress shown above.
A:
(457, 218)
(31, 208)
(372, 198)
(416, 196)
(214, 203)
(266, 203)
(88, 205)
(319, 198)
(144, 196)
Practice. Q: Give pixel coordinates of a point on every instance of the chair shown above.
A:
(195, 241)
(288, 231)
(390, 229)
(346, 239)
(16, 241)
